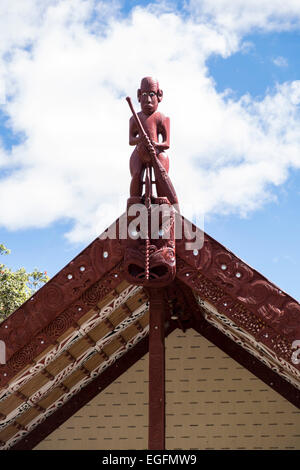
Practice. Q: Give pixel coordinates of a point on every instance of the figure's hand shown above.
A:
(146, 150)
(151, 146)
(143, 153)
(147, 142)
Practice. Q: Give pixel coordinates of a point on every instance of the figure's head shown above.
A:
(149, 95)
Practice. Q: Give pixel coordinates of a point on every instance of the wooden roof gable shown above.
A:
(87, 325)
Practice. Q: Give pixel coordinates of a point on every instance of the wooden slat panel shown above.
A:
(54, 395)
(79, 347)
(94, 362)
(118, 316)
(112, 347)
(136, 301)
(59, 364)
(99, 331)
(7, 433)
(34, 384)
(28, 416)
(130, 332)
(144, 320)
(10, 404)
(75, 377)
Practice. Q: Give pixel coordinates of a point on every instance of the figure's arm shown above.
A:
(141, 141)
(134, 138)
(164, 130)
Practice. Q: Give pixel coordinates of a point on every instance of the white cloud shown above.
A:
(280, 61)
(244, 16)
(68, 98)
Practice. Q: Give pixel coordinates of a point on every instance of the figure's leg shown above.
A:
(137, 172)
(164, 186)
(164, 160)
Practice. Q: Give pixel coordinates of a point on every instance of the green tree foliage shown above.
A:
(17, 286)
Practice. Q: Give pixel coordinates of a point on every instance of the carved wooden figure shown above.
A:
(150, 248)
(156, 126)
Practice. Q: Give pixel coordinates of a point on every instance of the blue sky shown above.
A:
(254, 71)
(231, 87)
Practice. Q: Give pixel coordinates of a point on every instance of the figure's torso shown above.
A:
(153, 124)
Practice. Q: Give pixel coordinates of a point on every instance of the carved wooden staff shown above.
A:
(148, 194)
(148, 185)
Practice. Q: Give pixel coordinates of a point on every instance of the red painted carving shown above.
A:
(290, 321)
(47, 336)
(149, 151)
(150, 258)
(253, 314)
(65, 298)
(157, 369)
(244, 284)
(153, 253)
(251, 300)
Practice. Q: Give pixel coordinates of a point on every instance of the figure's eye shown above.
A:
(151, 93)
(144, 94)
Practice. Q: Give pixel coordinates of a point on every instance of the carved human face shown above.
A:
(148, 98)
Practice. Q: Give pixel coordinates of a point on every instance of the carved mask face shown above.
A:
(148, 97)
